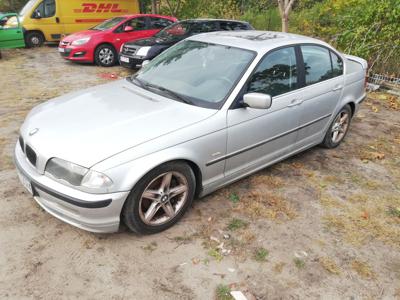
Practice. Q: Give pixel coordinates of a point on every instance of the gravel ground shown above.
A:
(323, 224)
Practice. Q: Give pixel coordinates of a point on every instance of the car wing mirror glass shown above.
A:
(37, 14)
(128, 28)
(257, 100)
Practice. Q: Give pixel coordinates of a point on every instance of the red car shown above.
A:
(101, 44)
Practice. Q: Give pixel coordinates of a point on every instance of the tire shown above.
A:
(160, 210)
(338, 129)
(34, 39)
(105, 56)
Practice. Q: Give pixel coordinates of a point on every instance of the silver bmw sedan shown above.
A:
(208, 111)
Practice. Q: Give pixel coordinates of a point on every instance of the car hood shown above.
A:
(82, 34)
(153, 41)
(89, 126)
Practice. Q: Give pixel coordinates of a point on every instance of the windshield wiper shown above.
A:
(147, 85)
(175, 95)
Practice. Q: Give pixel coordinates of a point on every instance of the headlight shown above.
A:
(143, 51)
(73, 174)
(80, 41)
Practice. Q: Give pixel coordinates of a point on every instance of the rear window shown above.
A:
(159, 23)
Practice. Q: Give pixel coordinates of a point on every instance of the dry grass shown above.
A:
(263, 203)
(329, 265)
(362, 269)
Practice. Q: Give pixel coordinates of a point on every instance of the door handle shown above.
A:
(57, 20)
(295, 102)
(337, 87)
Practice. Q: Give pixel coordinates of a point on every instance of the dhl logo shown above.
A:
(99, 8)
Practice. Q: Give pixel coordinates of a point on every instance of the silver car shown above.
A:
(210, 110)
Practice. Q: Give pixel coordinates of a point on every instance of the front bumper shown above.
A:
(75, 53)
(133, 63)
(91, 212)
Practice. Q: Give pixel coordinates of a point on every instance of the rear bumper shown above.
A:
(91, 212)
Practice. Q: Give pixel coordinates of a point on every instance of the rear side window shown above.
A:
(277, 73)
(159, 23)
(337, 65)
(317, 64)
(228, 25)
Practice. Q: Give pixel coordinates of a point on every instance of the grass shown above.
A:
(393, 211)
(150, 247)
(215, 254)
(261, 254)
(223, 292)
(236, 224)
(362, 269)
(329, 265)
(299, 263)
(234, 198)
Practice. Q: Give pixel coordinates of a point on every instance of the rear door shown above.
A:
(260, 136)
(11, 35)
(140, 29)
(324, 82)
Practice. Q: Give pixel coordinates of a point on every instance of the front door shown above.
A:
(46, 18)
(133, 29)
(259, 136)
(11, 35)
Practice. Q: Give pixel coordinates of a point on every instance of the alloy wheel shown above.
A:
(340, 126)
(163, 198)
(106, 56)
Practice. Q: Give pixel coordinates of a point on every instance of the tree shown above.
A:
(154, 9)
(284, 9)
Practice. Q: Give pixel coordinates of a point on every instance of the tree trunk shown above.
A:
(285, 24)
(154, 6)
(284, 9)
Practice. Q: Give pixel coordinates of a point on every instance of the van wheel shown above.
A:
(160, 198)
(105, 56)
(34, 39)
(338, 129)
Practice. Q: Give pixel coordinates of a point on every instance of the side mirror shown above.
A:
(128, 28)
(257, 100)
(37, 14)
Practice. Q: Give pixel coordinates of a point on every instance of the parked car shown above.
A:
(210, 110)
(102, 43)
(133, 53)
(11, 34)
(49, 20)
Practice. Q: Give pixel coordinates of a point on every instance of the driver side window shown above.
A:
(46, 9)
(276, 74)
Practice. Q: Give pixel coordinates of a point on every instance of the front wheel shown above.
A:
(105, 56)
(338, 129)
(160, 198)
(34, 39)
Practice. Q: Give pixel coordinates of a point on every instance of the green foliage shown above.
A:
(365, 28)
(234, 198)
(11, 5)
(264, 20)
(223, 292)
(236, 224)
(261, 254)
(299, 263)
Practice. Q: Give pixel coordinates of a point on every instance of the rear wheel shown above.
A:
(338, 129)
(160, 198)
(105, 55)
(34, 39)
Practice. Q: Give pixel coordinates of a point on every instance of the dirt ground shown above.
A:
(324, 224)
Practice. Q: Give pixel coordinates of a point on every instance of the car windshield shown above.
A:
(174, 30)
(197, 73)
(108, 24)
(28, 6)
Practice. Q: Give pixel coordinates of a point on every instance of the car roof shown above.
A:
(255, 40)
(212, 20)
